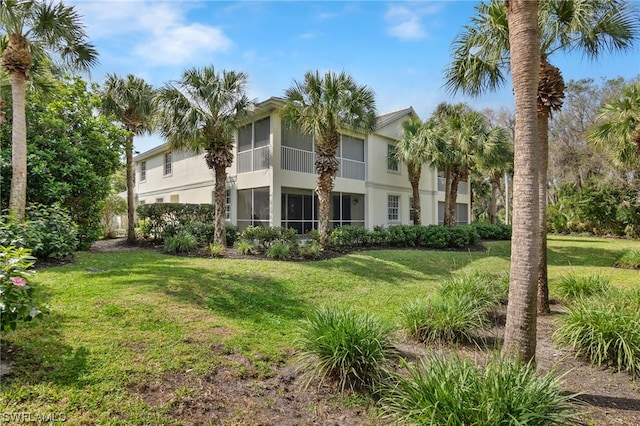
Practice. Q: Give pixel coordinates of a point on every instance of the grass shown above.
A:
(572, 287)
(122, 320)
(629, 259)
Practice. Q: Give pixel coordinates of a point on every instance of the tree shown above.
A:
(618, 127)
(322, 105)
(520, 329)
(72, 154)
(464, 133)
(482, 51)
(202, 111)
(413, 149)
(35, 31)
(132, 101)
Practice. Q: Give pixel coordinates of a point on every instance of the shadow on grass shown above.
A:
(42, 356)
(582, 256)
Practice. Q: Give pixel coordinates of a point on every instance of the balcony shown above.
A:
(299, 160)
(254, 160)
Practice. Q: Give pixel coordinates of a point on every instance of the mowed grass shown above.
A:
(122, 320)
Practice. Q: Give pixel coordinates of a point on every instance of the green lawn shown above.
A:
(121, 319)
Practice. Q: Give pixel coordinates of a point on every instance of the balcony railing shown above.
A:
(299, 160)
(254, 159)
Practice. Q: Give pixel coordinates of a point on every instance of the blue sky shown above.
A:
(398, 48)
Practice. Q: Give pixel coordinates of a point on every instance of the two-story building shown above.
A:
(272, 180)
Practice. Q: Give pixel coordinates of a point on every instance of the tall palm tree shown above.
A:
(493, 161)
(413, 149)
(36, 30)
(481, 54)
(618, 127)
(132, 101)
(322, 105)
(520, 329)
(202, 112)
(464, 132)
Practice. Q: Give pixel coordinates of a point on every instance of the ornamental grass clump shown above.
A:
(572, 287)
(344, 347)
(279, 250)
(454, 391)
(605, 330)
(450, 319)
(184, 242)
(629, 259)
(488, 290)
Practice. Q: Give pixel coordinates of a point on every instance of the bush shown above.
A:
(16, 295)
(345, 347)
(231, 234)
(488, 231)
(48, 231)
(279, 251)
(263, 237)
(245, 247)
(166, 219)
(445, 319)
(310, 250)
(345, 237)
(215, 250)
(572, 287)
(605, 330)
(629, 259)
(184, 242)
(455, 391)
(434, 236)
(462, 236)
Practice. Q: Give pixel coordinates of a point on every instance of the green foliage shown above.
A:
(345, 237)
(245, 247)
(48, 231)
(446, 319)
(111, 206)
(215, 250)
(597, 209)
(488, 231)
(455, 391)
(16, 295)
(231, 234)
(572, 287)
(165, 219)
(263, 237)
(71, 155)
(280, 250)
(488, 290)
(346, 347)
(605, 330)
(311, 250)
(183, 242)
(629, 259)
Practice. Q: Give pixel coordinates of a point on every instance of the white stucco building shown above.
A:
(272, 179)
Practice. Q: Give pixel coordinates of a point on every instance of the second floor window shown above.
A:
(143, 171)
(393, 165)
(168, 166)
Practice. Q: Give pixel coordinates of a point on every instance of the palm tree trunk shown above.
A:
(18, 195)
(326, 166)
(325, 184)
(131, 210)
(447, 194)
(414, 179)
(219, 234)
(493, 202)
(452, 200)
(543, 146)
(520, 329)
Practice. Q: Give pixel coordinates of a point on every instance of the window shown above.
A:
(393, 165)
(393, 205)
(167, 164)
(159, 200)
(411, 209)
(174, 198)
(143, 171)
(352, 148)
(253, 207)
(462, 214)
(227, 210)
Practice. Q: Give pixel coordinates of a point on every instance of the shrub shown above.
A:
(48, 231)
(181, 243)
(245, 247)
(572, 287)
(346, 347)
(446, 319)
(345, 237)
(279, 250)
(264, 237)
(605, 330)
(311, 250)
(462, 236)
(215, 250)
(455, 391)
(231, 234)
(16, 295)
(488, 231)
(434, 236)
(629, 259)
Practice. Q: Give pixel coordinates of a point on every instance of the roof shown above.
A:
(389, 117)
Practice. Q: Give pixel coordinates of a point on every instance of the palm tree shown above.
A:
(321, 105)
(202, 112)
(132, 101)
(36, 30)
(618, 127)
(520, 329)
(413, 149)
(494, 160)
(481, 54)
(464, 132)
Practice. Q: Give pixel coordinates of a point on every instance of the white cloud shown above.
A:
(406, 21)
